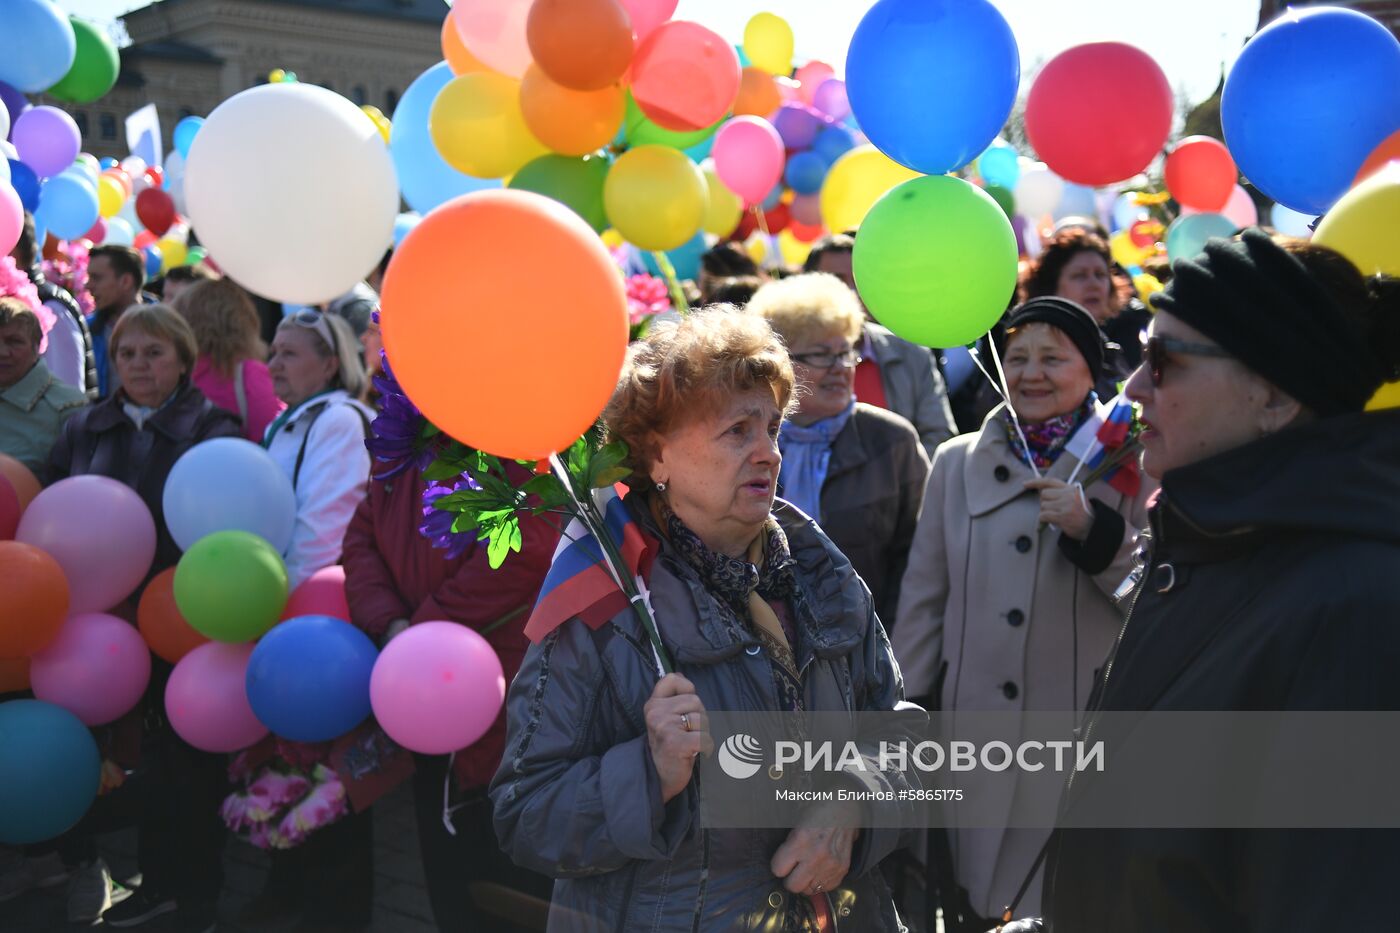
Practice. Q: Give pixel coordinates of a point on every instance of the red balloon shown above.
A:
(806, 233)
(144, 239)
(778, 218)
(1200, 173)
(9, 510)
(156, 176)
(748, 223)
(156, 210)
(1099, 113)
(1144, 233)
(685, 77)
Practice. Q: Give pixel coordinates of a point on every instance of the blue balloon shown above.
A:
(1126, 212)
(685, 259)
(255, 494)
(107, 163)
(1001, 166)
(957, 367)
(26, 184)
(403, 224)
(308, 678)
(37, 45)
(67, 205)
(701, 151)
(1309, 98)
(1076, 201)
(153, 260)
(932, 81)
(49, 772)
(775, 197)
(833, 142)
(1290, 222)
(744, 61)
(185, 132)
(425, 179)
(805, 172)
(1187, 236)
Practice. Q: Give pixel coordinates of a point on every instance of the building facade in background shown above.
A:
(186, 56)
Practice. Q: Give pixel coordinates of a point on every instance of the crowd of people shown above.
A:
(836, 532)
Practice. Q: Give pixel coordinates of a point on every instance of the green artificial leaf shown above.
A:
(517, 538)
(430, 430)
(610, 477)
(465, 521)
(442, 468)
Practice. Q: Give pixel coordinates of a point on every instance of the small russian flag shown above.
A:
(1114, 430)
(579, 583)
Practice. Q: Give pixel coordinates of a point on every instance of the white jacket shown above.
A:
(332, 480)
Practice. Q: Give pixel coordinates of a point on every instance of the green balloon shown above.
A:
(577, 183)
(637, 130)
(935, 261)
(95, 66)
(231, 586)
(1004, 198)
(196, 255)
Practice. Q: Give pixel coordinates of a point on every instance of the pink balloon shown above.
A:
(748, 156)
(206, 701)
(101, 534)
(647, 15)
(98, 233)
(97, 668)
(810, 77)
(685, 77)
(11, 217)
(437, 688)
(788, 89)
(1239, 209)
(494, 31)
(321, 594)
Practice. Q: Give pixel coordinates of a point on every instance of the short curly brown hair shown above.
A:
(1044, 277)
(689, 369)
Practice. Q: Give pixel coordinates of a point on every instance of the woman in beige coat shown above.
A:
(1007, 603)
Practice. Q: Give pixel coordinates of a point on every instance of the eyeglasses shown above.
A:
(316, 320)
(824, 359)
(1156, 348)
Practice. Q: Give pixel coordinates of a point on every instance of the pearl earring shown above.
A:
(660, 487)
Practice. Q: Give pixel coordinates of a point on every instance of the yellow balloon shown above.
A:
(725, 208)
(110, 196)
(768, 43)
(477, 126)
(655, 197)
(1364, 226)
(173, 253)
(793, 250)
(612, 239)
(1387, 397)
(757, 247)
(857, 180)
(1125, 252)
(380, 121)
(275, 76)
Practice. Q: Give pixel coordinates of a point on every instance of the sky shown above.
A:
(1190, 39)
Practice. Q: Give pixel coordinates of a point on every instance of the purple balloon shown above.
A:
(798, 125)
(830, 99)
(47, 140)
(15, 102)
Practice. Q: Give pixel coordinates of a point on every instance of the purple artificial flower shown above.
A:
(397, 427)
(437, 524)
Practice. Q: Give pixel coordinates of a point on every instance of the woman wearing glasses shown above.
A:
(1269, 582)
(319, 440)
(1007, 604)
(857, 469)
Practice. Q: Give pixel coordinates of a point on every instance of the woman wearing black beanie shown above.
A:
(1269, 582)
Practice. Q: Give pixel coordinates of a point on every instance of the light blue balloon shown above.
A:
(684, 258)
(1290, 222)
(1076, 201)
(834, 142)
(1001, 166)
(701, 151)
(744, 60)
(932, 81)
(805, 172)
(67, 205)
(37, 45)
(185, 132)
(425, 179)
(226, 484)
(1187, 236)
(108, 162)
(403, 224)
(957, 367)
(49, 773)
(1126, 212)
(775, 197)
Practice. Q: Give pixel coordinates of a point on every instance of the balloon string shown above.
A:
(763, 226)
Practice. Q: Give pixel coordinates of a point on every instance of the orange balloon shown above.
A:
(164, 628)
(536, 305)
(33, 600)
(14, 675)
(572, 123)
(459, 59)
(26, 486)
(758, 94)
(1385, 152)
(584, 45)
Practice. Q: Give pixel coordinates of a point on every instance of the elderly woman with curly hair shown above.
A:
(760, 611)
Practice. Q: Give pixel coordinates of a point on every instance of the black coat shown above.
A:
(102, 440)
(1283, 559)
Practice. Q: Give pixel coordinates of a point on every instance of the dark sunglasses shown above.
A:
(1156, 348)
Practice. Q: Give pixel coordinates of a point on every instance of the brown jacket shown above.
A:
(994, 599)
(870, 500)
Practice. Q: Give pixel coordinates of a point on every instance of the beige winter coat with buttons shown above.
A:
(990, 595)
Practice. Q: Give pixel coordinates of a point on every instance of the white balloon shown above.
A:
(4, 168)
(175, 181)
(119, 232)
(9, 150)
(1076, 201)
(1039, 190)
(135, 166)
(293, 190)
(1290, 222)
(4, 122)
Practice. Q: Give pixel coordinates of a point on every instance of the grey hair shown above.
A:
(350, 374)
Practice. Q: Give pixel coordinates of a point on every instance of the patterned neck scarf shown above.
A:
(732, 579)
(1046, 438)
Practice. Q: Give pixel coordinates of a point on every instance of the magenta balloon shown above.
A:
(98, 233)
(206, 701)
(748, 156)
(97, 668)
(830, 99)
(46, 139)
(11, 217)
(101, 534)
(437, 688)
(798, 125)
(647, 15)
